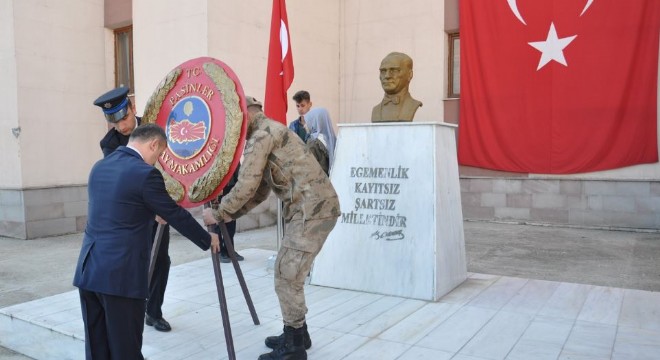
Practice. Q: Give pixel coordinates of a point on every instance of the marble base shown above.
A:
(401, 228)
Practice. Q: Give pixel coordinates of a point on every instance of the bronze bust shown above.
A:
(396, 71)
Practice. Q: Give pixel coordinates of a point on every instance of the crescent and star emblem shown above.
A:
(553, 46)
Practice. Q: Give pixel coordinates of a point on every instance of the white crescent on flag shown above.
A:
(514, 7)
(513, 4)
(589, 2)
(284, 41)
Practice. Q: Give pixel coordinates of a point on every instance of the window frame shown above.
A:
(451, 91)
(117, 32)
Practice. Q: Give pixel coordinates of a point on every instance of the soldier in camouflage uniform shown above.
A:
(276, 159)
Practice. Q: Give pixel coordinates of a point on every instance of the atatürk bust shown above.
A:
(396, 71)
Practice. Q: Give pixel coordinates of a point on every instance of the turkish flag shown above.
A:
(558, 86)
(279, 75)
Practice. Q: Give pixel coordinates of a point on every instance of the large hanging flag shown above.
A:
(279, 75)
(558, 86)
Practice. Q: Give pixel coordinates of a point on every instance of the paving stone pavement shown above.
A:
(33, 269)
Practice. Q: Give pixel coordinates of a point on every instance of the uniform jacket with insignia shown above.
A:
(275, 158)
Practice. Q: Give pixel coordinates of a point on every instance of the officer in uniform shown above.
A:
(120, 112)
(276, 159)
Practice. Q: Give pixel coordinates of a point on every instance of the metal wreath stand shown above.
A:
(218, 280)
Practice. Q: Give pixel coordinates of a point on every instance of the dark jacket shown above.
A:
(125, 194)
(300, 130)
(114, 139)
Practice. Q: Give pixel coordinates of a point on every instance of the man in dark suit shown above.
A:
(120, 112)
(125, 192)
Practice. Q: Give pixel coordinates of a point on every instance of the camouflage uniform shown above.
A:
(276, 159)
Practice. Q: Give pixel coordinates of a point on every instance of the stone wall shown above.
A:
(36, 213)
(583, 203)
(265, 214)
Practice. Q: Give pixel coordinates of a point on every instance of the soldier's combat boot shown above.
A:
(274, 341)
(291, 347)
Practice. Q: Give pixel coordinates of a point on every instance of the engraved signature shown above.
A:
(388, 235)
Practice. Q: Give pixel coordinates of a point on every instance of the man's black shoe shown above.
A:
(224, 258)
(158, 324)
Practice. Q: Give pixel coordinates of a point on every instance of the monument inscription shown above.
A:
(376, 196)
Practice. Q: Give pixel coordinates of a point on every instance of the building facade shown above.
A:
(56, 57)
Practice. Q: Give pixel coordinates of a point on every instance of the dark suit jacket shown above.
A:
(125, 194)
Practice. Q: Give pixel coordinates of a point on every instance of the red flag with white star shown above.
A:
(558, 86)
(279, 75)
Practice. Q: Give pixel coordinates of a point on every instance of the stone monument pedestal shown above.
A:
(401, 228)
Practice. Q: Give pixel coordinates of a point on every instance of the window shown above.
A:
(124, 58)
(454, 66)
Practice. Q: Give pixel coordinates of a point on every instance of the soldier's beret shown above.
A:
(114, 104)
